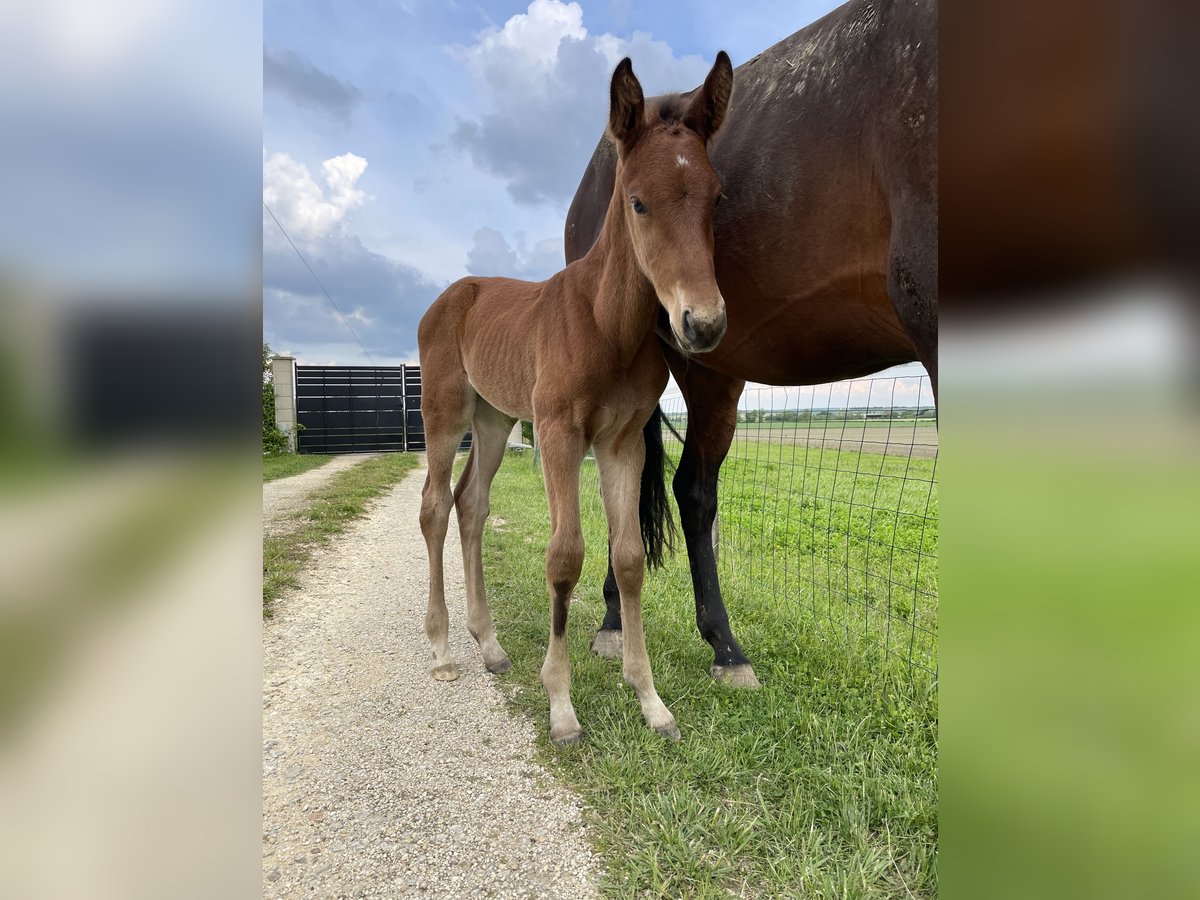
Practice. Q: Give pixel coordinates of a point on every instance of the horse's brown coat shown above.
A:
(578, 355)
(826, 242)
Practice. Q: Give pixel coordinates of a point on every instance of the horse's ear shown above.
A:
(710, 104)
(627, 111)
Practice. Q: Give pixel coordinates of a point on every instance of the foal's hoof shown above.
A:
(567, 739)
(446, 672)
(608, 644)
(736, 676)
(669, 731)
(499, 666)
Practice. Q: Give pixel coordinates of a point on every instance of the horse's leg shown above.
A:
(446, 410)
(489, 431)
(712, 401)
(608, 642)
(620, 478)
(562, 454)
(912, 281)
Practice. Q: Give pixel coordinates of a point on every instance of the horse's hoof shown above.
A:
(499, 666)
(567, 739)
(608, 644)
(669, 731)
(736, 676)
(446, 672)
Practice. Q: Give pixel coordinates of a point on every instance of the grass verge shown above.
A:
(329, 509)
(285, 464)
(820, 784)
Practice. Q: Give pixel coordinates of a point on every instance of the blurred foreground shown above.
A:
(129, 488)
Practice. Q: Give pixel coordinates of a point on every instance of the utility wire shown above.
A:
(318, 281)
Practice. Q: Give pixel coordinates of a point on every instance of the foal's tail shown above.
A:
(654, 509)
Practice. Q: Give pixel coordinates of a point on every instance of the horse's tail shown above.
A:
(654, 509)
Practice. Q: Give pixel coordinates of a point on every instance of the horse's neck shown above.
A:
(625, 305)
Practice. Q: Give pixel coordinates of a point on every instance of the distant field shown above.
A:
(832, 424)
(898, 437)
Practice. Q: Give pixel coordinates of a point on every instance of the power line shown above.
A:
(318, 281)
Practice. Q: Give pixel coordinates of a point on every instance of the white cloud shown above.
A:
(377, 297)
(492, 255)
(898, 386)
(306, 209)
(531, 37)
(545, 84)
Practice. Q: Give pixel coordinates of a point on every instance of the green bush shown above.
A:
(274, 441)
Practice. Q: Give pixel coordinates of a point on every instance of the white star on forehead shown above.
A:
(681, 161)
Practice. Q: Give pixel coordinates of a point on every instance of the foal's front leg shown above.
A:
(620, 479)
(562, 454)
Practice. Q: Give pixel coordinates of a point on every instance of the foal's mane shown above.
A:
(671, 110)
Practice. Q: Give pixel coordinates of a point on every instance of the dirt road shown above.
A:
(285, 496)
(379, 781)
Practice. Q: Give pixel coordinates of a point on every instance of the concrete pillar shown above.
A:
(283, 374)
(515, 436)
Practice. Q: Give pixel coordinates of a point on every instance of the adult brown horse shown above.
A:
(826, 247)
(578, 356)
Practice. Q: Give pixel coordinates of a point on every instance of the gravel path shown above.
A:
(285, 496)
(379, 781)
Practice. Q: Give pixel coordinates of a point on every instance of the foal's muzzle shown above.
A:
(701, 331)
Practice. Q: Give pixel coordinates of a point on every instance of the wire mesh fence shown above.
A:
(827, 502)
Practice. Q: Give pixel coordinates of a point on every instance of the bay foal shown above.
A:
(578, 356)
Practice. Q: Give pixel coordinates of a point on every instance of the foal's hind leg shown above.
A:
(620, 478)
(445, 409)
(490, 430)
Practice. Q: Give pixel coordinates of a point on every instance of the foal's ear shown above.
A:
(625, 115)
(711, 102)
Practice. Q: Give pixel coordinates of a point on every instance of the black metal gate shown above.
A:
(414, 425)
(352, 409)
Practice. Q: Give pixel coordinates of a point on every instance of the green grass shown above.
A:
(850, 536)
(285, 464)
(329, 510)
(820, 784)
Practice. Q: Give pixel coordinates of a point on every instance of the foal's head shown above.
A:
(670, 190)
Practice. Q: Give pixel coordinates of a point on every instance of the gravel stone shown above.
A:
(377, 780)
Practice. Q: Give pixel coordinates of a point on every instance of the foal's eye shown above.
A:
(639, 207)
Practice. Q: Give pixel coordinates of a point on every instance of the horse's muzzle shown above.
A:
(701, 332)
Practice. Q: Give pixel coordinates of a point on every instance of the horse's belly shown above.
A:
(505, 391)
(810, 342)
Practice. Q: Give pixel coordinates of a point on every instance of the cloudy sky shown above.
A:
(406, 144)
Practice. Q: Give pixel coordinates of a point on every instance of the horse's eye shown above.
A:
(639, 207)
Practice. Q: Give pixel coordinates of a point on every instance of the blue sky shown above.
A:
(408, 144)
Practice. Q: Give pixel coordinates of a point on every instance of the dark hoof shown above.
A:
(608, 644)
(500, 666)
(670, 732)
(567, 740)
(741, 676)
